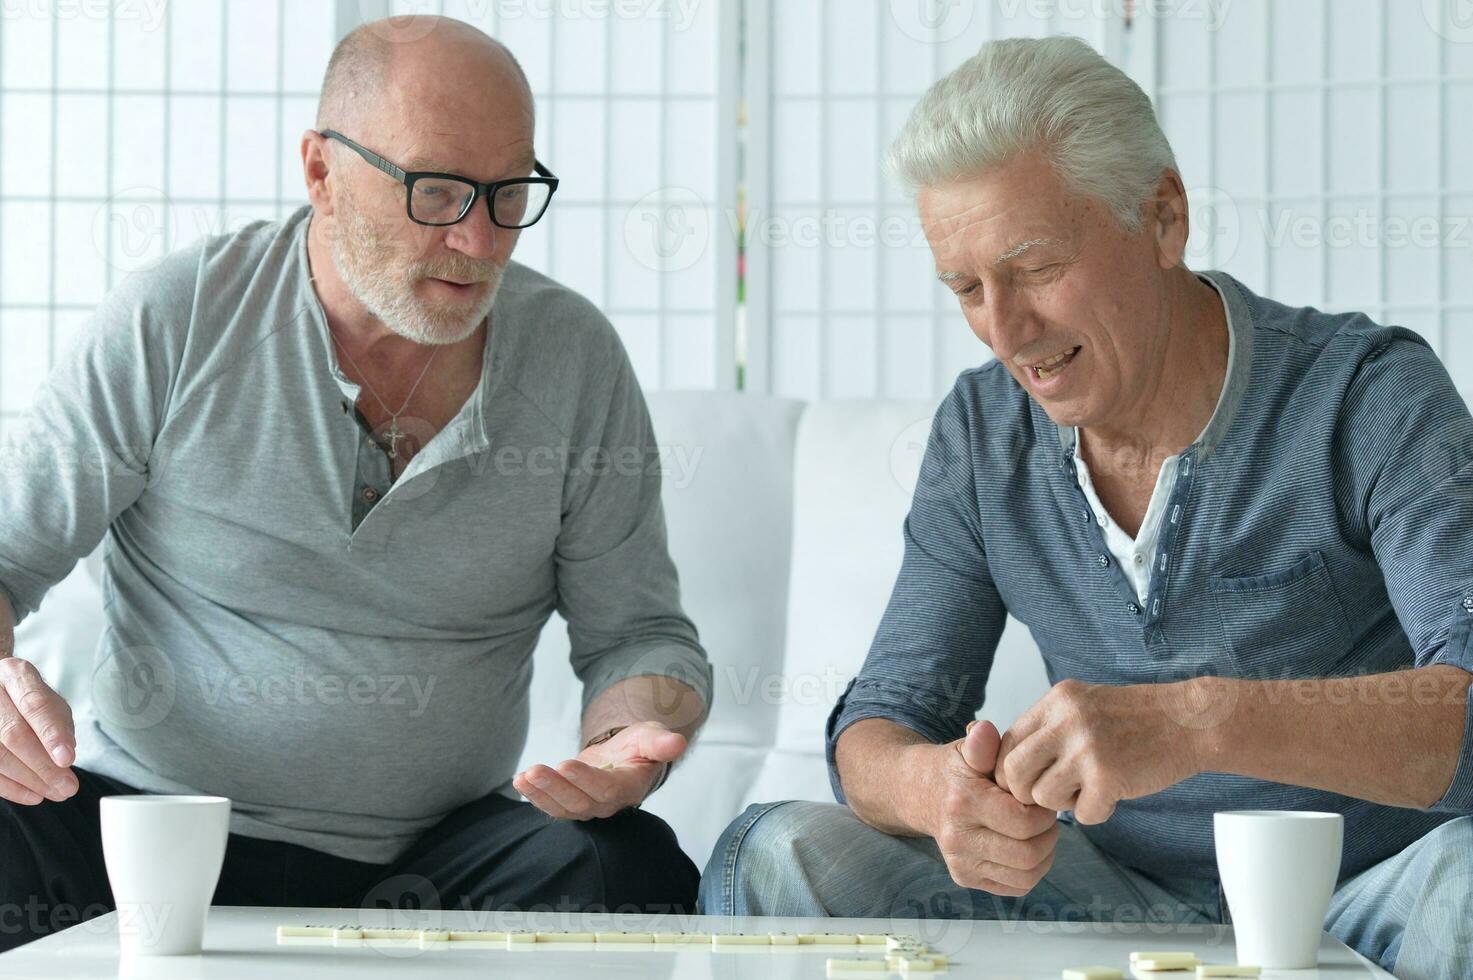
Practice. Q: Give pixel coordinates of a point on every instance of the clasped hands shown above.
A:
(1081, 747)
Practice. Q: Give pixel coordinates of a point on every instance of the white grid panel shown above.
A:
(843, 300)
(1319, 142)
(126, 135)
(1327, 146)
(129, 129)
(636, 116)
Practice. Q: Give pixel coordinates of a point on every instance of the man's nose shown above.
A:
(478, 236)
(1007, 323)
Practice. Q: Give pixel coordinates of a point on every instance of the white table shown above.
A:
(241, 943)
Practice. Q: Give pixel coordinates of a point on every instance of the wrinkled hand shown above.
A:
(605, 778)
(37, 740)
(1085, 747)
(988, 839)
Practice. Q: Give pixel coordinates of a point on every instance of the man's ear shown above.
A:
(1169, 219)
(316, 164)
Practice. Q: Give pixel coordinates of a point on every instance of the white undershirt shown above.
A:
(1137, 555)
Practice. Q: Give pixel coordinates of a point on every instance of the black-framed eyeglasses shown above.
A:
(439, 199)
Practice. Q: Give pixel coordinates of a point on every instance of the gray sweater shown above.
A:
(346, 657)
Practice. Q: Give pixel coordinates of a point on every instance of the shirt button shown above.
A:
(371, 443)
(1139, 558)
(1104, 560)
(1468, 602)
(370, 494)
(1135, 609)
(1088, 517)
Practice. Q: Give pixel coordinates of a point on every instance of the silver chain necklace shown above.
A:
(394, 435)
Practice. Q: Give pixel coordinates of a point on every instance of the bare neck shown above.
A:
(1187, 380)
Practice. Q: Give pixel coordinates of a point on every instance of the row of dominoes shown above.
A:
(903, 954)
(892, 963)
(1162, 962)
(440, 938)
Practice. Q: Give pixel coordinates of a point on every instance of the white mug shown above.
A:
(163, 856)
(1278, 870)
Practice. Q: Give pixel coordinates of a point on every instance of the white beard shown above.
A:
(386, 290)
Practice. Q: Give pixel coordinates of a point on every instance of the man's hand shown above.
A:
(37, 740)
(604, 778)
(1085, 747)
(989, 840)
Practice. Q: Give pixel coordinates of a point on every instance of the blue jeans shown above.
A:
(1412, 913)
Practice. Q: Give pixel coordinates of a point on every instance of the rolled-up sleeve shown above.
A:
(928, 665)
(617, 585)
(1405, 458)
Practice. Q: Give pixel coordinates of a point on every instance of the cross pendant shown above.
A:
(393, 436)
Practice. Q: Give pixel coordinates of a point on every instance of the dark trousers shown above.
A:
(491, 854)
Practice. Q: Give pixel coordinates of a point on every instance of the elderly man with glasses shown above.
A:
(348, 464)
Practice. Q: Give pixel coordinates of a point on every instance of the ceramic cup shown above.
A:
(163, 856)
(1278, 869)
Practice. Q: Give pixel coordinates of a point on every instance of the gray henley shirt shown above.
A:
(344, 655)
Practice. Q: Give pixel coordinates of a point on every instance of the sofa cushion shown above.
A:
(727, 492)
(856, 469)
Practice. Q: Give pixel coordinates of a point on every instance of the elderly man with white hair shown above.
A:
(1241, 534)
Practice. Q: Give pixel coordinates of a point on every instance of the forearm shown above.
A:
(673, 704)
(889, 775)
(1389, 738)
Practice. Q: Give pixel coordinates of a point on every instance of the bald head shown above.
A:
(428, 94)
(387, 73)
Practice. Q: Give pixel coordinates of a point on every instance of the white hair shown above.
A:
(1053, 94)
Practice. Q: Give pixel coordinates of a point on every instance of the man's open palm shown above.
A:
(604, 778)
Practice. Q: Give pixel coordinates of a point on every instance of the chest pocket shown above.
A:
(1283, 624)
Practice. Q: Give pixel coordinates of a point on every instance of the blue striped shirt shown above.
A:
(1321, 525)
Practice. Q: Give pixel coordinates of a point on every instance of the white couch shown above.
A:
(784, 521)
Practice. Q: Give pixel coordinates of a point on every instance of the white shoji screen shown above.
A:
(636, 114)
(1329, 145)
(1321, 142)
(843, 299)
(130, 128)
